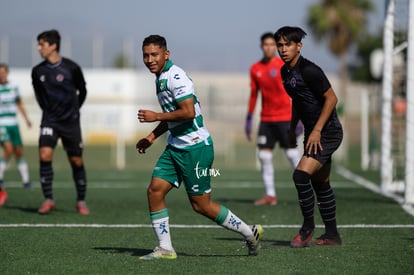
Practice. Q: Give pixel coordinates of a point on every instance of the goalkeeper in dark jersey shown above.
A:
(313, 102)
(60, 91)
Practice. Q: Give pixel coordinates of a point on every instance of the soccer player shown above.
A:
(10, 138)
(60, 91)
(275, 115)
(314, 103)
(189, 149)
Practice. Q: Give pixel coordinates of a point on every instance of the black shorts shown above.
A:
(330, 141)
(272, 132)
(70, 134)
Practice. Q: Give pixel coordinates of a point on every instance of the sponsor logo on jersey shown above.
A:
(177, 76)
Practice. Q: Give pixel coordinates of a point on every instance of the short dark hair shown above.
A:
(51, 37)
(265, 36)
(156, 40)
(5, 66)
(289, 33)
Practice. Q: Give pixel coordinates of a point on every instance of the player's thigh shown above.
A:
(15, 136)
(266, 137)
(309, 165)
(322, 175)
(71, 137)
(196, 169)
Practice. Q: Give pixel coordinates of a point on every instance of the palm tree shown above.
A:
(341, 22)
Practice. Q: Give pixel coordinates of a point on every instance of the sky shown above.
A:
(214, 35)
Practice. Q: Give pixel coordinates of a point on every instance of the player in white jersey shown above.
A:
(188, 156)
(10, 138)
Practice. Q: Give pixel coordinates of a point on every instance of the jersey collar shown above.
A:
(168, 66)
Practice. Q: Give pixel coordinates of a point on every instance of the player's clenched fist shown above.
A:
(142, 145)
(147, 116)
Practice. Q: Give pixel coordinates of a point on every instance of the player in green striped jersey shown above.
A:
(10, 138)
(188, 156)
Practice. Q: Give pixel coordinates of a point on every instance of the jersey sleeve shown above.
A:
(80, 84)
(316, 79)
(38, 89)
(253, 92)
(181, 86)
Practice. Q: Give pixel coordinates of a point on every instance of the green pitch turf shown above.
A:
(112, 238)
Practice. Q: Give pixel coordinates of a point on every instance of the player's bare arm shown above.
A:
(314, 140)
(23, 112)
(185, 111)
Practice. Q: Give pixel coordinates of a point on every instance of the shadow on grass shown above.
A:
(124, 250)
(227, 200)
(265, 242)
(22, 209)
(138, 252)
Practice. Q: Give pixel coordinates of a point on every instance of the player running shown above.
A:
(314, 103)
(189, 147)
(275, 115)
(60, 91)
(10, 138)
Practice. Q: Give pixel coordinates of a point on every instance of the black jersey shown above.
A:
(60, 90)
(306, 83)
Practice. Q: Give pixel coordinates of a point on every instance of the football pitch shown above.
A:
(378, 235)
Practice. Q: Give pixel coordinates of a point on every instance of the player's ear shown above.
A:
(299, 46)
(167, 54)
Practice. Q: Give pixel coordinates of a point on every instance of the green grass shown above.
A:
(118, 197)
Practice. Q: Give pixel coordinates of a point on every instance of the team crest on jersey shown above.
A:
(60, 77)
(162, 85)
(42, 78)
(273, 73)
(292, 82)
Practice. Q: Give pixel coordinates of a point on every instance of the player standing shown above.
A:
(60, 91)
(275, 115)
(10, 138)
(314, 103)
(189, 148)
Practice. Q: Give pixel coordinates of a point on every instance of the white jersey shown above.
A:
(174, 86)
(9, 95)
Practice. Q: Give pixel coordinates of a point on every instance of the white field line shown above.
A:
(215, 185)
(192, 226)
(374, 188)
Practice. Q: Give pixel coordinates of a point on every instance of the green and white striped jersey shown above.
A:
(9, 95)
(174, 86)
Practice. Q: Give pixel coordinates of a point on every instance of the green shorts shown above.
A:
(10, 134)
(193, 167)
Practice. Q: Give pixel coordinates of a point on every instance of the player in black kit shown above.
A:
(60, 91)
(313, 102)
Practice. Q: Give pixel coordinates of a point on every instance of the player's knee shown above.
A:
(265, 155)
(76, 161)
(45, 155)
(300, 177)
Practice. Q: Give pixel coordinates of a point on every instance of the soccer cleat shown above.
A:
(160, 254)
(3, 197)
(328, 240)
(82, 208)
(27, 185)
(254, 244)
(47, 206)
(266, 200)
(303, 238)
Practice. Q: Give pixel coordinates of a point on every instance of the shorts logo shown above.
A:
(195, 188)
(206, 172)
(46, 131)
(60, 77)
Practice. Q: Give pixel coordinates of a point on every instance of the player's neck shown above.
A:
(294, 61)
(267, 59)
(54, 58)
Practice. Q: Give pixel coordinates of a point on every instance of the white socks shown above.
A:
(3, 166)
(293, 156)
(23, 169)
(230, 221)
(161, 227)
(267, 170)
